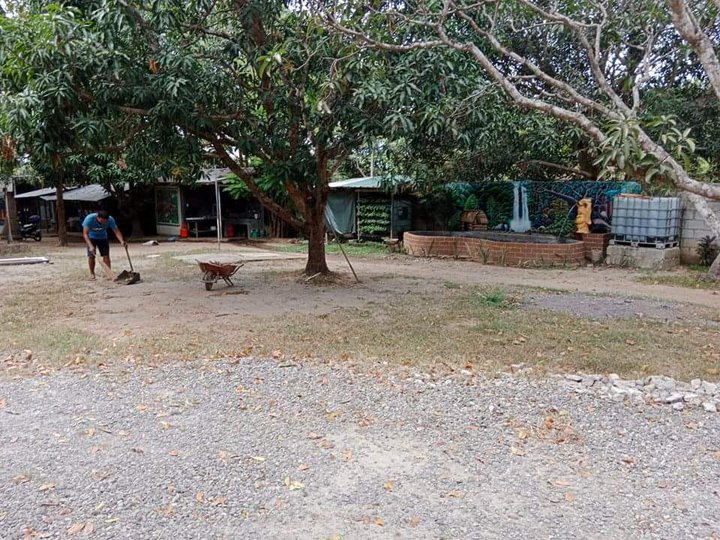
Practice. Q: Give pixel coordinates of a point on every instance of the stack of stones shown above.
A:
(655, 389)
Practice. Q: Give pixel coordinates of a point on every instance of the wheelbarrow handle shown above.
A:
(127, 253)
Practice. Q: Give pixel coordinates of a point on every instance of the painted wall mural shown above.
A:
(549, 207)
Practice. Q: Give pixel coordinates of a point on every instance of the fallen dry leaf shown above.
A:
(3, 403)
(173, 453)
(379, 522)
(326, 444)
(46, 487)
(414, 521)
(29, 532)
(303, 467)
(200, 497)
(569, 497)
(516, 451)
(346, 455)
(293, 485)
(168, 510)
(85, 527)
(455, 494)
(20, 479)
(218, 501)
(389, 485)
(259, 458)
(314, 436)
(560, 483)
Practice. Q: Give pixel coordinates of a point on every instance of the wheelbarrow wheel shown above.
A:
(209, 278)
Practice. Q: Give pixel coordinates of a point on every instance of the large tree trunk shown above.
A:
(60, 212)
(316, 263)
(11, 221)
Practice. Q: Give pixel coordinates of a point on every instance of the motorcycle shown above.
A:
(31, 229)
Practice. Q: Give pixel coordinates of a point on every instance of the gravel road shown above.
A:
(262, 448)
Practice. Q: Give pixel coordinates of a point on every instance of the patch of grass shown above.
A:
(496, 298)
(688, 277)
(456, 330)
(444, 328)
(365, 249)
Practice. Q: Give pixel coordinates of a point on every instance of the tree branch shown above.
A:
(687, 26)
(557, 166)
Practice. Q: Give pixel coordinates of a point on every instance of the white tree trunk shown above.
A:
(687, 26)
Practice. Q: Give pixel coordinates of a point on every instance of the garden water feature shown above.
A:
(521, 217)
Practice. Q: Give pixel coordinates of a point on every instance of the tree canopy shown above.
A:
(589, 64)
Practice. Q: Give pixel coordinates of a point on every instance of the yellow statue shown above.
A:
(584, 216)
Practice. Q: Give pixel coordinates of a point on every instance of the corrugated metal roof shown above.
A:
(91, 193)
(210, 175)
(35, 193)
(370, 182)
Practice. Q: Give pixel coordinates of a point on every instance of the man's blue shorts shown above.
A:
(102, 246)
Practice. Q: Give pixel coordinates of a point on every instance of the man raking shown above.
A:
(95, 227)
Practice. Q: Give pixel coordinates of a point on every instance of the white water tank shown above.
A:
(646, 220)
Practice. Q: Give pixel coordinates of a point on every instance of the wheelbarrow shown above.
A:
(213, 271)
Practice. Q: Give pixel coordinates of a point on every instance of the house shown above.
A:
(81, 201)
(197, 205)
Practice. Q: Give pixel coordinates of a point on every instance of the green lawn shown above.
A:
(365, 249)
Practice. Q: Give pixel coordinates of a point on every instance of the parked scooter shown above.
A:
(31, 229)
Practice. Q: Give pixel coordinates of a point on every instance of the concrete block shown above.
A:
(643, 257)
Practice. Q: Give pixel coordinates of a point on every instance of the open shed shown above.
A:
(370, 206)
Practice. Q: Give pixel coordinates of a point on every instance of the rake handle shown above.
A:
(128, 258)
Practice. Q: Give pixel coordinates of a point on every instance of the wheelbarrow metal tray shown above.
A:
(212, 271)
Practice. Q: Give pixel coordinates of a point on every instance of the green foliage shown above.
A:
(559, 215)
(622, 154)
(454, 222)
(471, 203)
(495, 298)
(441, 204)
(352, 249)
(373, 215)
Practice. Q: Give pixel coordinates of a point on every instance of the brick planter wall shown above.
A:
(595, 242)
(494, 252)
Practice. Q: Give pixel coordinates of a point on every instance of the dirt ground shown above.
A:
(54, 313)
(411, 405)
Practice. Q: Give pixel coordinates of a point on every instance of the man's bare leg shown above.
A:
(106, 260)
(91, 266)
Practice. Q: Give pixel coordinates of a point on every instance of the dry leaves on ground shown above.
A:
(84, 527)
(293, 485)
